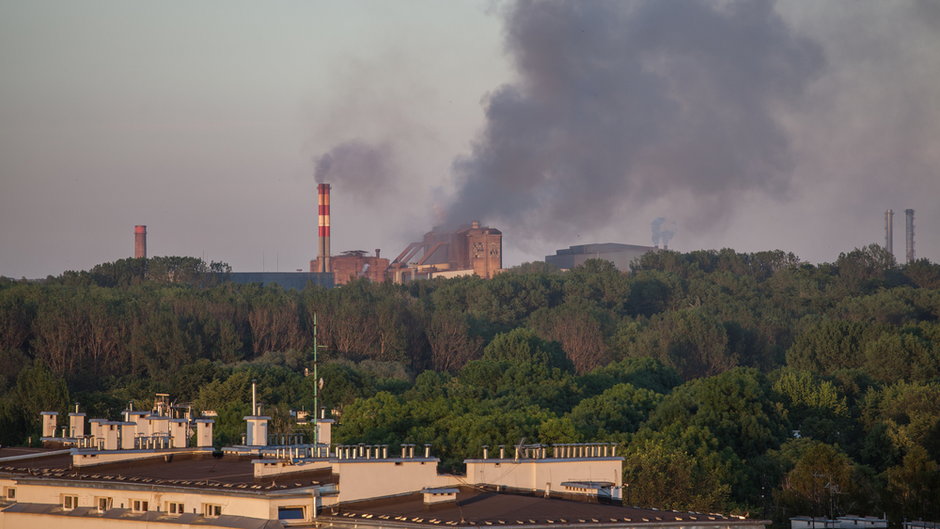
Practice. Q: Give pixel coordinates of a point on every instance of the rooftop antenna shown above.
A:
(254, 406)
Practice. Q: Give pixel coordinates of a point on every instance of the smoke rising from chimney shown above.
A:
(358, 169)
(661, 234)
(619, 104)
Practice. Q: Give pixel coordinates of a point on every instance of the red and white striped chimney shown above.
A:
(323, 200)
(140, 241)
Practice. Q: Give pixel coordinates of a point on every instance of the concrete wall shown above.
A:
(277, 467)
(545, 474)
(96, 457)
(375, 478)
(249, 505)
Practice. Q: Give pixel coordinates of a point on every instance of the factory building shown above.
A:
(350, 265)
(142, 472)
(619, 254)
(355, 264)
(470, 250)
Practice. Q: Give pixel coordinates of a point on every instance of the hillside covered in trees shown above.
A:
(732, 382)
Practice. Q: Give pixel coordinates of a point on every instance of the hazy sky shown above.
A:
(753, 126)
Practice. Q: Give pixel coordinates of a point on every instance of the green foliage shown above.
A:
(691, 341)
(37, 389)
(914, 486)
(736, 406)
(681, 467)
(816, 407)
(643, 372)
(791, 371)
(622, 408)
(831, 345)
(823, 480)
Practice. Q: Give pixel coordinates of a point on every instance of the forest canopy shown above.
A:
(732, 382)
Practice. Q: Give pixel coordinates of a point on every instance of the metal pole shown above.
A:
(316, 387)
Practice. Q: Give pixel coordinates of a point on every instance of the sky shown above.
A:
(751, 125)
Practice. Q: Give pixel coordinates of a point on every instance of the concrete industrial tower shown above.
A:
(140, 241)
(889, 231)
(909, 213)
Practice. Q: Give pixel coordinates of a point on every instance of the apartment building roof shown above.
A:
(127, 515)
(482, 507)
(203, 471)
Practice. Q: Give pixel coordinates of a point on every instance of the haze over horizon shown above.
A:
(753, 125)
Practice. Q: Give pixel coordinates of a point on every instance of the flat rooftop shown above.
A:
(477, 506)
(184, 470)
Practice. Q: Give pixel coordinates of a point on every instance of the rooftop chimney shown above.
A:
(910, 234)
(323, 201)
(889, 231)
(140, 241)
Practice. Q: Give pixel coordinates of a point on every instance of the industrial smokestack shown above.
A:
(889, 231)
(140, 241)
(323, 200)
(910, 234)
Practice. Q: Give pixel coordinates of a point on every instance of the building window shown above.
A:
(103, 504)
(69, 502)
(10, 493)
(292, 514)
(140, 505)
(212, 510)
(175, 507)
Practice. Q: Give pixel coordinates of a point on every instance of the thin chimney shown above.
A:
(910, 234)
(889, 231)
(140, 241)
(323, 239)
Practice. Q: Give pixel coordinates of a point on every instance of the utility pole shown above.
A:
(316, 389)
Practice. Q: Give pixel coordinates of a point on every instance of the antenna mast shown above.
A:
(316, 388)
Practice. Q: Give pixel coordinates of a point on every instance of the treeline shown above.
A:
(752, 382)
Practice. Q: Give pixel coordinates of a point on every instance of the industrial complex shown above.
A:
(467, 250)
(471, 249)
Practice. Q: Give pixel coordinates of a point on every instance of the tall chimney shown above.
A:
(889, 231)
(323, 201)
(910, 234)
(140, 241)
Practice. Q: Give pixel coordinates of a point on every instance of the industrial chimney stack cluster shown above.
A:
(909, 233)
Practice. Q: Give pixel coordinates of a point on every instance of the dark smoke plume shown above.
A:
(358, 168)
(620, 103)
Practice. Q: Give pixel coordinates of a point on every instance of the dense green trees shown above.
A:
(746, 382)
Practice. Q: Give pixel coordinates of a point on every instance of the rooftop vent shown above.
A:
(437, 496)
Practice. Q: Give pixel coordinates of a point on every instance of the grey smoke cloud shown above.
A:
(358, 168)
(619, 103)
(663, 230)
